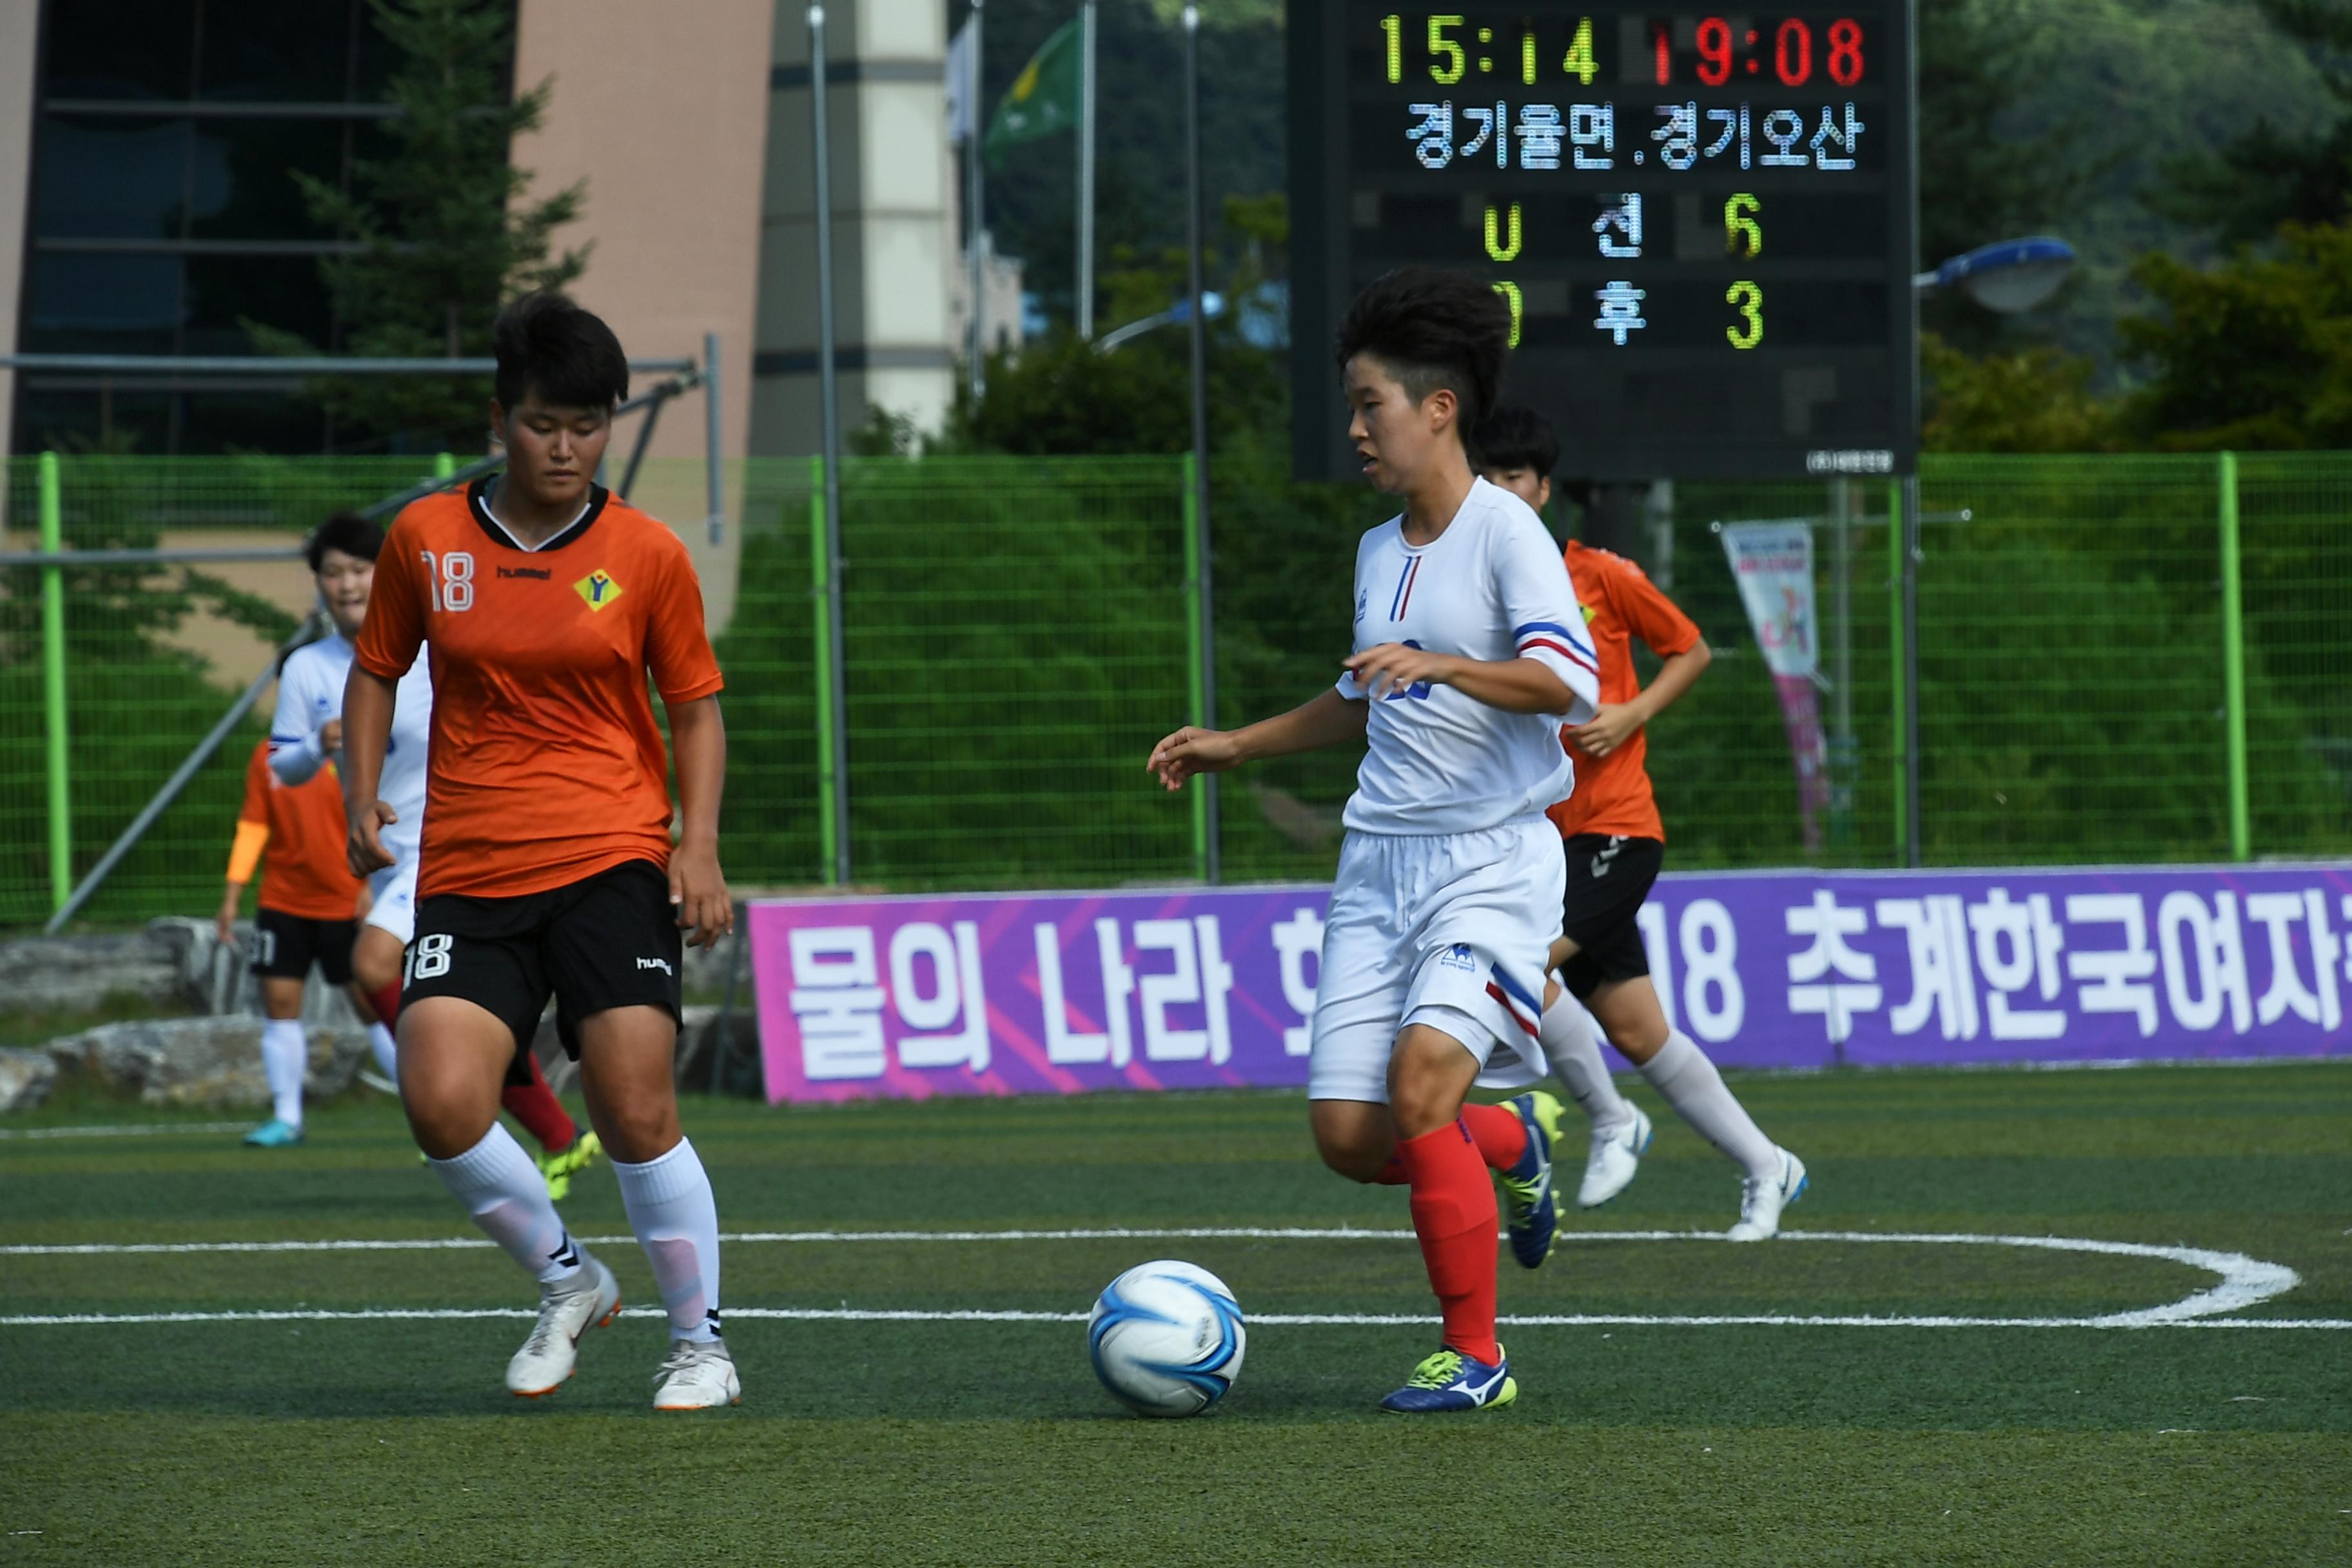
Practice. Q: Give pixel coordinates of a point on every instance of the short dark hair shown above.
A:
(1516, 438)
(1433, 328)
(546, 344)
(346, 532)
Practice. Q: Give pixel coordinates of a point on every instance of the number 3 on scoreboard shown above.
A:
(1749, 298)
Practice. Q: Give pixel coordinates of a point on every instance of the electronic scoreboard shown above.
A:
(1703, 223)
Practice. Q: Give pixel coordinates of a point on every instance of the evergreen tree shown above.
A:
(445, 232)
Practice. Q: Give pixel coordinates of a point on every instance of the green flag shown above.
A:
(1045, 96)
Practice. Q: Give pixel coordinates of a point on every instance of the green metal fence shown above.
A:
(2095, 634)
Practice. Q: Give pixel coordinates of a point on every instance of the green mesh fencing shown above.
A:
(1016, 638)
(154, 655)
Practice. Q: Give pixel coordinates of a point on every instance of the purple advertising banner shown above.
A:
(1191, 988)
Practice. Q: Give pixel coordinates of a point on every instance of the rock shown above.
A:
(211, 1061)
(26, 1078)
(66, 974)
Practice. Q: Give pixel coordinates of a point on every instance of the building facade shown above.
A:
(147, 204)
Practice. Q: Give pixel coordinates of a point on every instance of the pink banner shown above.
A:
(1773, 564)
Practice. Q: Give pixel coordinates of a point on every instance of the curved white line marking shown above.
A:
(2244, 1282)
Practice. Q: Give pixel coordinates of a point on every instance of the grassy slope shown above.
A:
(986, 1443)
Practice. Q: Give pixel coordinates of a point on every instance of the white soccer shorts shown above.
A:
(1448, 930)
(393, 889)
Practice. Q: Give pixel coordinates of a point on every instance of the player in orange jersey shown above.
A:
(1615, 845)
(310, 908)
(546, 867)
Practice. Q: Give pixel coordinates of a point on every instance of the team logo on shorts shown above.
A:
(1459, 956)
(597, 589)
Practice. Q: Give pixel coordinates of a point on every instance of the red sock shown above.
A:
(1499, 1133)
(387, 1003)
(533, 1104)
(1454, 1214)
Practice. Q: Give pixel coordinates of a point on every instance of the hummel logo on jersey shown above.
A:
(597, 589)
(660, 964)
(542, 572)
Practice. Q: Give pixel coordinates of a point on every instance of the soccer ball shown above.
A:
(1166, 1339)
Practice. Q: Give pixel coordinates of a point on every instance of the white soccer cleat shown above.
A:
(565, 1312)
(696, 1376)
(1609, 1168)
(1760, 1201)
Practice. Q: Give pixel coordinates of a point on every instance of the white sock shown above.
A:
(387, 1055)
(284, 1057)
(508, 1198)
(1682, 1073)
(675, 1217)
(1574, 1052)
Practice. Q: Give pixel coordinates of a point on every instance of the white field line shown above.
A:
(2243, 1282)
(1260, 1320)
(150, 1129)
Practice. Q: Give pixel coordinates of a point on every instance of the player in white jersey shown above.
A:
(1468, 656)
(307, 731)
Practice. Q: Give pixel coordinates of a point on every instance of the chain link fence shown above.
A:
(1019, 631)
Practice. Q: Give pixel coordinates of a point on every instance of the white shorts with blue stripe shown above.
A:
(1447, 929)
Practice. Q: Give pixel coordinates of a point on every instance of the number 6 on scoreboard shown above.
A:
(1749, 298)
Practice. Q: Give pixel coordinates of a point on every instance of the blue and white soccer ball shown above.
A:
(1166, 1339)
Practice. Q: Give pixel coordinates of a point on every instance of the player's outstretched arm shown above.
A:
(1513, 685)
(696, 887)
(368, 701)
(1328, 719)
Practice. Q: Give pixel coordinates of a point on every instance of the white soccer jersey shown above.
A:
(310, 692)
(1492, 587)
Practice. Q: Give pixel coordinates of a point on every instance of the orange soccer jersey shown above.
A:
(1612, 793)
(546, 767)
(305, 869)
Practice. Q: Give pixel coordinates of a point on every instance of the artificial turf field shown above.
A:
(1660, 1435)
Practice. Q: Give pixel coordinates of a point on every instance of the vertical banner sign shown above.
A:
(1773, 564)
(1069, 993)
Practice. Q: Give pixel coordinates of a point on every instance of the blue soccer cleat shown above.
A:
(1451, 1380)
(273, 1134)
(1526, 1187)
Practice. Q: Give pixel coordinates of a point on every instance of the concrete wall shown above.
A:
(663, 110)
(895, 249)
(19, 30)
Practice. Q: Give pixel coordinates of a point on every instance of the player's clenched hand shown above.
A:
(1393, 666)
(367, 852)
(1614, 724)
(330, 736)
(698, 892)
(1192, 751)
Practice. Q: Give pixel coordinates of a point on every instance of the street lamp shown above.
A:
(2007, 275)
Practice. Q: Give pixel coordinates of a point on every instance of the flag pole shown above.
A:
(1086, 301)
(976, 372)
(1212, 868)
(829, 402)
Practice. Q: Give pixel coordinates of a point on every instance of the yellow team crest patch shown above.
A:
(597, 589)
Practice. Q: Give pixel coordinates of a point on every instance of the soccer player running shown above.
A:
(547, 866)
(1468, 659)
(306, 734)
(1615, 844)
(309, 903)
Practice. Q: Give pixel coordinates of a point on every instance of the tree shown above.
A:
(2255, 353)
(2271, 174)
(445, 233)
(2037, 399)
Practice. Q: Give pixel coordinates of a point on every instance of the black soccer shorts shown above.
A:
(607, 940)
(285, 946)
(1608, 878)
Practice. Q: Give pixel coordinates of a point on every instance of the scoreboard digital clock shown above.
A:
(1703, 223)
